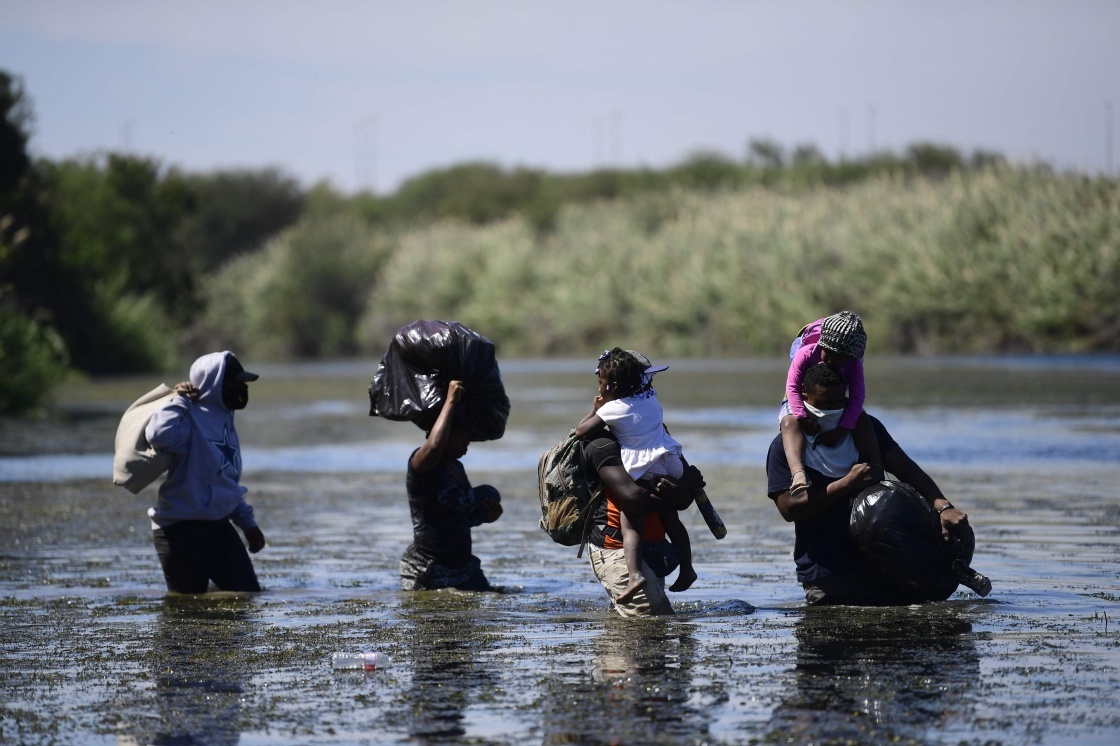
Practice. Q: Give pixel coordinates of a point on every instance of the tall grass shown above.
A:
(301, 296)
(1002, 259)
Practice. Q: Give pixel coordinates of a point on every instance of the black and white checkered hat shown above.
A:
(843, 333)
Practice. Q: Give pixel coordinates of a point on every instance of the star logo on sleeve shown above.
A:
(228, 449)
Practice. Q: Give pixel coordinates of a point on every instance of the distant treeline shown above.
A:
(114, 263)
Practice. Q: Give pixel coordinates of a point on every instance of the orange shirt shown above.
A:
(653, 530)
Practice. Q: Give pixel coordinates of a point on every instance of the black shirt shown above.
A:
(597, 454)
(822, 544)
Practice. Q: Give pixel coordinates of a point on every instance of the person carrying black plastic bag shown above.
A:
(444, 378)
(444, 508)
(830, 565)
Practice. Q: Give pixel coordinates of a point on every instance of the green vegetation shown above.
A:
(113, 263)
(999, 259)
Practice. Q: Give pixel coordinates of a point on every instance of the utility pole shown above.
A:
(597, 150)
(365, 154)
(616, 138)
(126, 134)
(843, 133)
(1108, 139)
(871, 129)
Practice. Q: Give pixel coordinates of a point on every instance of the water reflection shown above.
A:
(199, 668)
(878, 675)
(445, 637)
(639, 688)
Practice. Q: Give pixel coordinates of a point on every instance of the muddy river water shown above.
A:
(92, 650)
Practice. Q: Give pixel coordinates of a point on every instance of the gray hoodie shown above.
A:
(203, 482)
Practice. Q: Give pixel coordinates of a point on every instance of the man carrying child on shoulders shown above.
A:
(830, 566)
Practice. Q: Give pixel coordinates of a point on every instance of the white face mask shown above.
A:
(828, 419)
(833, 461)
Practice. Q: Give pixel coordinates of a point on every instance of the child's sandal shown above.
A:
(800, 488)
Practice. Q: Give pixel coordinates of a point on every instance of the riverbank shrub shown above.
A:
(33, 360)
(1003, 259)
(302, 296)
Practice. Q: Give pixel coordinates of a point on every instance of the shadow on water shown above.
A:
(888, 675)
(637, 689)
(445, 636)
(200, 669)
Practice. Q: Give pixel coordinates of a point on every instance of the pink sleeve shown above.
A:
(802, 361)
(857, 393)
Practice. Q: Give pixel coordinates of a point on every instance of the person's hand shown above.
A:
(861, 475)
(955, 521)
(255, 539)
(692, 480)
(187, 389)
(673, 492)
(597, 402)
(454, 392)
(833, 437)
(492, 509)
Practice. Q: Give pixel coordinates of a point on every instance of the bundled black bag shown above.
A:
(410, 382)
(900, 532)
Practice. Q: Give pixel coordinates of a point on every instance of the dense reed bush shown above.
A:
(995, 260)
(302, 296)
(32, 360)
(1003, 259)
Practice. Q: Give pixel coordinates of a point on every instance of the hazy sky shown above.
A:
(365, 94)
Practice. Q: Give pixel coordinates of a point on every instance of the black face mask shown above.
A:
(235, 394)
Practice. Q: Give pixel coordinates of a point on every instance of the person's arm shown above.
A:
(625, 490)
(169, 429)
(242, 517)
(796, 375)
(897, 462)
(817, 498)
(429, 455)
(857, 394)
(680, 493)
(592, 424)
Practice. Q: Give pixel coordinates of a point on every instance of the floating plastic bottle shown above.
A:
(360, 661)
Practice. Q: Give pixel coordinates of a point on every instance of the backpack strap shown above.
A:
(592, 508)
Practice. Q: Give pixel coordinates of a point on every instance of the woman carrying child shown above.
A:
(839, 342)
(627, 404)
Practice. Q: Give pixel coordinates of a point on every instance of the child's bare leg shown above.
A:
(632, 549)
(793, 441)
(866, 442)
(678, 534)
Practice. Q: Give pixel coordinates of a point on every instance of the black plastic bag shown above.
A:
(410, 383)
(900, 532)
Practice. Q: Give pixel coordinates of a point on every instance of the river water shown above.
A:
(93, 651)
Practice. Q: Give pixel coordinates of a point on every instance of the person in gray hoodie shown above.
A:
(202, 494)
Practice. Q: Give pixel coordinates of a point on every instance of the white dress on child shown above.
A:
(638, 423)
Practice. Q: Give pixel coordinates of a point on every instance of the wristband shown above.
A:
(943, 508)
